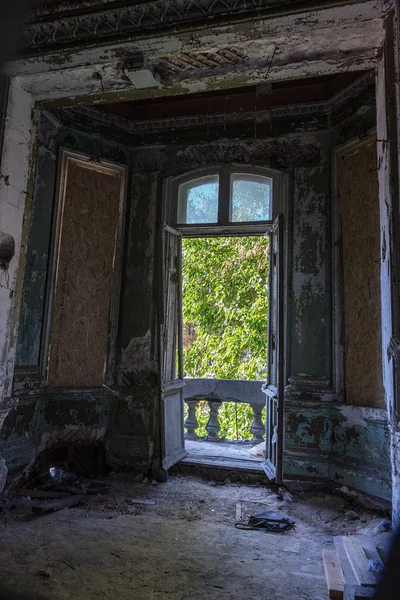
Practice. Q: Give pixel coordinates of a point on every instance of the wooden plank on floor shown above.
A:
(359, 562)
(333, 574)
(37, 494)
(55, 505)
(349, 576)
(358, 592)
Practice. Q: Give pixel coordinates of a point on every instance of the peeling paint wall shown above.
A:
(38, 248)
(40, 411)
(15, 194)
(310, 342)
(388, 127)
(325, 438)
(347, 445)
(361, 450)
(127, 417)
(15, 165)
(322, 440)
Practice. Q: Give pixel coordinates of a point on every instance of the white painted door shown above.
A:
(171, 393)
(274, 385)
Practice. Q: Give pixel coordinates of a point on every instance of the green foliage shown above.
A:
(225, 312)
(235, 420)
(225, 303)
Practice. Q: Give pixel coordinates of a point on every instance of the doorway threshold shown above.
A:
(229, 455)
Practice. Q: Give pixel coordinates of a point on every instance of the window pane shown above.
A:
(198, 201)
(251, 198)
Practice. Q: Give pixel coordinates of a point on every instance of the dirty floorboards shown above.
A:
(182, 547)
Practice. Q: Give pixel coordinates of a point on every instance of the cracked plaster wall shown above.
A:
(125, 421)
(41, 416)
(317, 436)
(310, 345)
(324, 437)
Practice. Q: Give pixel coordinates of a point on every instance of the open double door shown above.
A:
(170, 336)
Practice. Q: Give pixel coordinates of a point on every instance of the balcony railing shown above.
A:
(215, 392)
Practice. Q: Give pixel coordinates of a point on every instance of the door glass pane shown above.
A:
(198, 201)
(251, 198)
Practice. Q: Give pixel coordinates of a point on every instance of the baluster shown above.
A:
(257, 428)
(191, 423)
(213, 425)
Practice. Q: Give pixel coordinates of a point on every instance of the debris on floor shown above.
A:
(351, 515)
(353, 569)
(258, 450)
(46, 573)
(42, 489)
(108, 546)
(30, 507)
(285, 494)
(60, 475)
(53, 493)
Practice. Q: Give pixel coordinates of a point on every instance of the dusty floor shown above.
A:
(184, 547)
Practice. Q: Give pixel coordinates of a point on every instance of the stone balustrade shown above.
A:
(257, 427)
(217, 391)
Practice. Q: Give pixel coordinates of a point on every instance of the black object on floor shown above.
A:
(270, 521)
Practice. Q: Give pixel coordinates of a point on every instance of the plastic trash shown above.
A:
(384, 525)
(59, 475)
(375, 567)
(258, 450)
(285, 495)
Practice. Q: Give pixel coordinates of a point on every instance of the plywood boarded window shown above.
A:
(89, 222)
(357, 184)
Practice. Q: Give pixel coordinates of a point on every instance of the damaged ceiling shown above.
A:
(144, 54)
(237, 100)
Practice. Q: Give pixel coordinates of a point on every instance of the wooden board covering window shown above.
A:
(357, 182)
(84, 275)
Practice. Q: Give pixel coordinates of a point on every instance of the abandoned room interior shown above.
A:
(139, 136)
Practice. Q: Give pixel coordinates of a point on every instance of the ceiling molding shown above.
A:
(323, 111)
(166, 124)
(101, 21)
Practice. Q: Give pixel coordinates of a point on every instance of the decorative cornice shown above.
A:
(323, 110)
(69, 24)
(352, 91)
(72, 116)
(159, 125)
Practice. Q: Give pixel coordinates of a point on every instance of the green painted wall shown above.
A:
(37, 260)
(310, 352)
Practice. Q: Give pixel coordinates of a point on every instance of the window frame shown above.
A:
(182, 209)
(224, 226)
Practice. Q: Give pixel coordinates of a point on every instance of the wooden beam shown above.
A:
(359, 562)
(333, 574)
